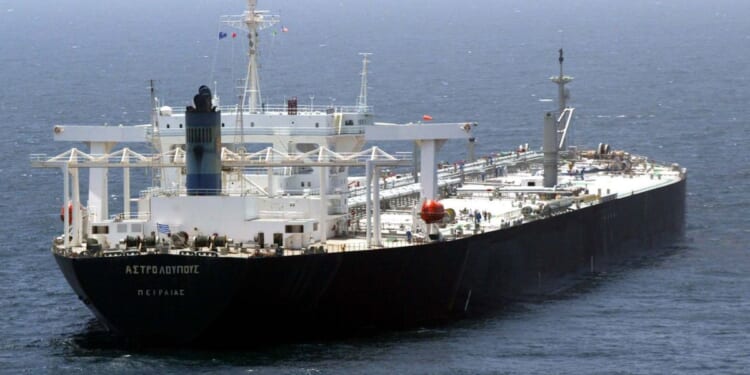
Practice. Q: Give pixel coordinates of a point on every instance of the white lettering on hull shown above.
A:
(161, 292)
(142, 269)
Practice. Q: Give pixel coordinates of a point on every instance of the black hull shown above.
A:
(181, 299)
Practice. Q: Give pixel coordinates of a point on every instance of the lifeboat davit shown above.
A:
(432, 211)
(70, 213)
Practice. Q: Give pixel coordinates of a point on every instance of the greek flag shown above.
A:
(162, 228)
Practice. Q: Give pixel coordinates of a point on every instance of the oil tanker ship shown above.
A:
(238, 245)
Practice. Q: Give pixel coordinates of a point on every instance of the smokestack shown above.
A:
(203, 146)
(550, 150)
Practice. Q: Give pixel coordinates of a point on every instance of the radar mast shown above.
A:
(251, 21)
(561, 81)
(565, 114)
(362, 99)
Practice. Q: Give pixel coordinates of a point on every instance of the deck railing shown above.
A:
(283, 109)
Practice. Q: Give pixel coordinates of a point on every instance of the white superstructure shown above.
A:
(301, 180)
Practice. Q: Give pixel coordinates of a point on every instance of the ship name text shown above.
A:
(142, 269)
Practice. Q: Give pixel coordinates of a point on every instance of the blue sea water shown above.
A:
(665, 78)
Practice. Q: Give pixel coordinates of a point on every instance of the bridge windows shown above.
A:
(100, 229)
(293, 229)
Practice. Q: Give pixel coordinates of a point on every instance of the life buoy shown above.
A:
(432, 211)
(70, 213)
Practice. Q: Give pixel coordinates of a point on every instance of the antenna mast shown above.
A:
(155, 138)
(251, 21)
(565, 114)
(362, 99)
(561, 80)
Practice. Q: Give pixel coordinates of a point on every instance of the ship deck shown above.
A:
(501, 202)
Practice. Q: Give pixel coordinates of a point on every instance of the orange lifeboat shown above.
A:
(432, 211)
(70, 213)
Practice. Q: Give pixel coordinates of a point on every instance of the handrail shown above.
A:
(261, 130)
(283, 109)
(569, 113)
